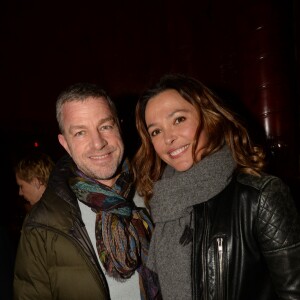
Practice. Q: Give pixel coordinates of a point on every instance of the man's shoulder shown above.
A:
(50, 210)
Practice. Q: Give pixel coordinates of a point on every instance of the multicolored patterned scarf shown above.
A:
(123, 231)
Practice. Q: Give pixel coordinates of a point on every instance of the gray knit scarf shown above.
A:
(171, 207)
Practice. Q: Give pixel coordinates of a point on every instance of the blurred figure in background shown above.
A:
(32, 174)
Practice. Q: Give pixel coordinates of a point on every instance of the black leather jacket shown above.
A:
(247, 242)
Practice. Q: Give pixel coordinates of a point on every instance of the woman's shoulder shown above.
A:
(260, 182)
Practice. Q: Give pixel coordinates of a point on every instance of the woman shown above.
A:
(224, 229)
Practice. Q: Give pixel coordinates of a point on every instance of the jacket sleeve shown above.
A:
(31, 281)
(278, 228)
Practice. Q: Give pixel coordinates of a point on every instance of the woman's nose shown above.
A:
(170, 137)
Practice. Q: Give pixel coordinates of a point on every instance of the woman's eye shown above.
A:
(154, 132)
(179, 120)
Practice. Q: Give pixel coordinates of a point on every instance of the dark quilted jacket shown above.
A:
(247, 242)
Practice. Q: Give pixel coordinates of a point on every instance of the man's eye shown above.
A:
(79, 133)
(106, 127)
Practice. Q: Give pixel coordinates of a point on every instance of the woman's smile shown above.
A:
(177, 152)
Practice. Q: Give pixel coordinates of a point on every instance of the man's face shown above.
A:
(92, 138)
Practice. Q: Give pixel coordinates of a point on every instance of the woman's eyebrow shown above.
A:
(170, 115)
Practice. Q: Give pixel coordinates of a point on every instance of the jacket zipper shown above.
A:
(204, 253)
(93, 254)
(220, 268)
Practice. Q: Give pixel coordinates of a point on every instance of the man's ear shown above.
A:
(63, 142)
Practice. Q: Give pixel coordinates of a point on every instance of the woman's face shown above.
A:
(172, 123)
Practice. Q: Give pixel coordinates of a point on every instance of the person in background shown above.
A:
(32, 174)
(224, 229)
(88, 237)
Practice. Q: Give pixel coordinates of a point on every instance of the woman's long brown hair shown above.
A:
(222, 126)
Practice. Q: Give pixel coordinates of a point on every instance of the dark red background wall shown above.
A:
(248, 51)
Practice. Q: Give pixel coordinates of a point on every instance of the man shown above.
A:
(86, 239)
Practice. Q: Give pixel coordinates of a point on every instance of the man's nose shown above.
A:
(99, 141)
